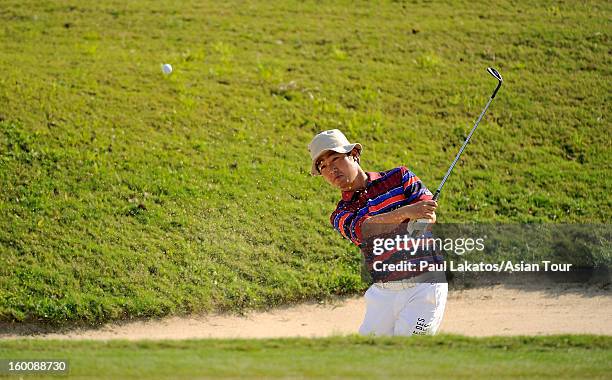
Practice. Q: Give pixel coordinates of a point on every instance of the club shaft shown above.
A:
(467, 140)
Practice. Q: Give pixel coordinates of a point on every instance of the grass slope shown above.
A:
(126, 193)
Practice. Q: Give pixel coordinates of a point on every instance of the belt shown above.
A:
(411, 282)
(397, 285)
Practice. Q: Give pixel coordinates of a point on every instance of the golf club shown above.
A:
(497, 76)
(417, 228)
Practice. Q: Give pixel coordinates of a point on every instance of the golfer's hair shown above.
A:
(358, 158)
(349, 154)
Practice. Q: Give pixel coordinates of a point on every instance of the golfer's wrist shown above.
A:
(408, 213)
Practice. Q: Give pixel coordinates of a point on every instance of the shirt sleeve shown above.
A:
(414, 189)
(348, 223)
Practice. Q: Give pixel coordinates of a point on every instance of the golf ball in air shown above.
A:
(167, 68)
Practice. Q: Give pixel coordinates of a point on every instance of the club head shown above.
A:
(494, 72)
(497, 76)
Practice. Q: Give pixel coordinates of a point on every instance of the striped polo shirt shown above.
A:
(384, 192)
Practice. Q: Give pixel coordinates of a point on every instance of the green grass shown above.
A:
(128, 194)
(562, 357)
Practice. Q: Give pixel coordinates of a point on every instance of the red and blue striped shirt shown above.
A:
(384, 192)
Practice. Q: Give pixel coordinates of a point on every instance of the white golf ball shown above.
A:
(167, 68)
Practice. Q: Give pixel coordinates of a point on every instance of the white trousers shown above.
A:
(417, 310)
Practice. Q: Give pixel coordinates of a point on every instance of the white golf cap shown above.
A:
(332, 140)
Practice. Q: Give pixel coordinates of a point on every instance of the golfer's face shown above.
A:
(338, 169)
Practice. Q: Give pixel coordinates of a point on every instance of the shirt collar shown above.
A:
(372, 176)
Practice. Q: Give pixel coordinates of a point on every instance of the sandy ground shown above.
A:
(495, 310)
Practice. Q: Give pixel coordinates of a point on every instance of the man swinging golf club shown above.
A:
(403, 301)
(398, 302)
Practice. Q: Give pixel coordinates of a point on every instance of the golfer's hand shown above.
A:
(421, 210)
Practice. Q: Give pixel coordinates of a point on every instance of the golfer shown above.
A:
(399, 302)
